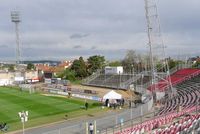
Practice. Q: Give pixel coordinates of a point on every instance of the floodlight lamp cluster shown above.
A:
(15, 16)
(24, 116)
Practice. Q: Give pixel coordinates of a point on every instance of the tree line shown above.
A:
(132, 62)
(81, 69)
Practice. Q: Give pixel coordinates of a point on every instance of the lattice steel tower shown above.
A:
(158, 60)
(15, 17)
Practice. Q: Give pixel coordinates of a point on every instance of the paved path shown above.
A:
(78, 126)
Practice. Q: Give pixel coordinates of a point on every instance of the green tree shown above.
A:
(11, 67)
(130, 61)
(115, 63)
(95, 62)
(172, 63)
(30, 66)
(196, 64)
(79, 67)
(67, 74)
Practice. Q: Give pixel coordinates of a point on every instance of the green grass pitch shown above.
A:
(42, 109)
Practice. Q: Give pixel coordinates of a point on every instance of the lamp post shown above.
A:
(24, 118)
(131, 88)
(141, 112)
(131, 106)
(119, 79)
(132, 69)
(131, 99)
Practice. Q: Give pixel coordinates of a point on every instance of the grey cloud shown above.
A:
(113, 25)
(3, 46)
(180, 16)
(93, 47)
(72, 54)
(78, 36)
(77, 46)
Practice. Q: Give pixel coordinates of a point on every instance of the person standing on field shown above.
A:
(91, 128)
(86, 105)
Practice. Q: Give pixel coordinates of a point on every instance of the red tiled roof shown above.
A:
(42, 67)
(65, 64)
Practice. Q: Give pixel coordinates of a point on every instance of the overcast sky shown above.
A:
(67, 29)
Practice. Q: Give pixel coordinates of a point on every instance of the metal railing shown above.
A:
(91, 77)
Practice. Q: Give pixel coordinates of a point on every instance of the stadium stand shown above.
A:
(176, 78)
(143, 80)
(122, 81)
(186, 125)
(177, 116)
(188, 94)
(171, 123)
(119, 81)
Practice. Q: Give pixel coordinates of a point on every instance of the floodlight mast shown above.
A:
(15, 17)
(156, 48)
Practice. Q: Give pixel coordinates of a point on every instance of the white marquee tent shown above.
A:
(112, 95)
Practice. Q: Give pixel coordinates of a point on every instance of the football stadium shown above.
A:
(146, 92)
